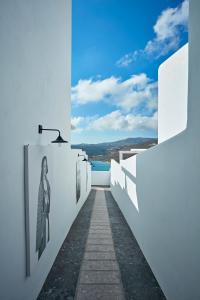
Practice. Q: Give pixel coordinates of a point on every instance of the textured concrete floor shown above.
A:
(100, 258)
(62, 279)
(100, 277)
(138, 280)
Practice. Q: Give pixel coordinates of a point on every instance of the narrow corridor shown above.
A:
(100, 258)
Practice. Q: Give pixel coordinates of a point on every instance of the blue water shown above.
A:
(100, 165)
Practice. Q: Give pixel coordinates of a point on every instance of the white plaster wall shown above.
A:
(35, 80)
(166, 223)
(101, 178)
(172, 95)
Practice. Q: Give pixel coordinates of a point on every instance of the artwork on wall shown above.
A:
(78, 181)
(43, 209)
(86, 170)
(37, 188)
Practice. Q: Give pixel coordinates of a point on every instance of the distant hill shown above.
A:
(109, 150)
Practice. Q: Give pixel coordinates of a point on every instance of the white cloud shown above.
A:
(118, 121)
(89, 90)
(80, 123)
(167, 29)
(127, 94)
(76, 123)
(167, 25)
(127, 59)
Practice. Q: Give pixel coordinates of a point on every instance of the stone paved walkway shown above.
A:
(100, 258)
(62, 279)
(100, 275)
(138, 280)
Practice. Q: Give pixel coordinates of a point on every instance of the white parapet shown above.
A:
(131, 152)
(100, 178)
(172, 95)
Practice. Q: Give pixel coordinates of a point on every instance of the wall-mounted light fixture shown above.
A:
(58, 140)
(85, 159)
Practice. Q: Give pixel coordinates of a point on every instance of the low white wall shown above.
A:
(101, 178)
(172, 95)
(160, 201)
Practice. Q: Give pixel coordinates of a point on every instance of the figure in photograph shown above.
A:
(78, 181)
(43, 210)
(86, 170)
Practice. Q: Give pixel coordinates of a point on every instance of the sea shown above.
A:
(100, 165)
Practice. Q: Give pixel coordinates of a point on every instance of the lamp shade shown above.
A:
(59, 139)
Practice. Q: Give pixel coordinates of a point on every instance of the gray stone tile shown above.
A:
(99, 292)
(100, 242)
(99, 255)
(100, 248)
(99, 277)
(100, 265)
(100, 227)
(100, 220)
(99, 223)
(99, 235)
(102, 231)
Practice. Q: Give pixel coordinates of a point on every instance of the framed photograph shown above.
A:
(78, 180)
(86, 175)
(37, 190)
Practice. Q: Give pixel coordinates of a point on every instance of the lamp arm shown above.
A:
(40, 129)
(51, 129)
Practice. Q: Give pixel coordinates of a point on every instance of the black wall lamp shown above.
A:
(58, 140)
(85, 159)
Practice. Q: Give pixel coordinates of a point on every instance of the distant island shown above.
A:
(110, 150)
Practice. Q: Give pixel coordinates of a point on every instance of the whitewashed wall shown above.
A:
(35, 80)
(172, 95)
(101, 178)
(166, 223)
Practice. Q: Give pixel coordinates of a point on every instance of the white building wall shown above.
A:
(101, 178)
(35, 80)
(172, 95)
(166, 223)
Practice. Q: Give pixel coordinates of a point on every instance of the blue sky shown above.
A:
(117, 49)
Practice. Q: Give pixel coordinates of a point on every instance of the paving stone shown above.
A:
(103, 231)
(99, 255)
(101, 213)
(100, 248)
(99, 235)
(100, 242)
(100, 223)
(98, 209)
(100, 292)
(100, 218)
(99, 277)
(100, 265)
(100, 227)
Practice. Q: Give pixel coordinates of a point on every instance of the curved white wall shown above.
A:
(172, 95)
(166, 223)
